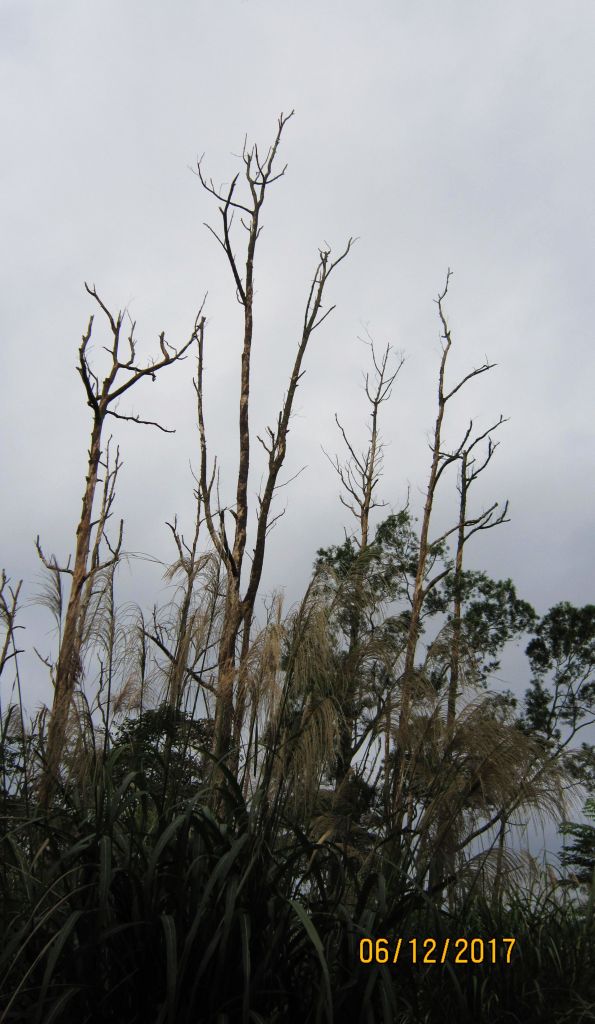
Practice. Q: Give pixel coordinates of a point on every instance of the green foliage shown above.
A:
(248, 920)
(565, 639)
(561, 698)
(580, 856)
(491, 613)
(377, 576)
(167, 746)
(359, 792)
(148, 895)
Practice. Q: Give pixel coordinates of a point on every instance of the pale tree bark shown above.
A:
(123, 373)
(9, 602)
(259, 174)
(422, 587)
(359, 477)
(468, 474)
(443, 862)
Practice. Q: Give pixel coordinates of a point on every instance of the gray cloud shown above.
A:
(451, 134)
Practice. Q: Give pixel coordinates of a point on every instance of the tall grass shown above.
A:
(118, 905)
(142, 896)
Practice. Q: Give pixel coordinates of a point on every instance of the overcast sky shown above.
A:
(443, 134)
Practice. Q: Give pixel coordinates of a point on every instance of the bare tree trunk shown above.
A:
(100, 400)
(359, 477)
(224, 714)
(259, 175)
(69, 666)
(455, 654)
(419, 592)
(443, 860)
(440, 461)
(497, 890)
(8, 614)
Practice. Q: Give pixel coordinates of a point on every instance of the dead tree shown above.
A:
(259, 173)
(469, 472)
(441, 460)
(359, 476)
(442, 865)
(9, 602)
(123, 373)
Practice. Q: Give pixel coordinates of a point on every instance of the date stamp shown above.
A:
(429, 951)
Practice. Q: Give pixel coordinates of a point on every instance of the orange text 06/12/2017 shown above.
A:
(430, 951)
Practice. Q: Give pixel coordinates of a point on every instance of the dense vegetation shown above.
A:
(226, 812)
